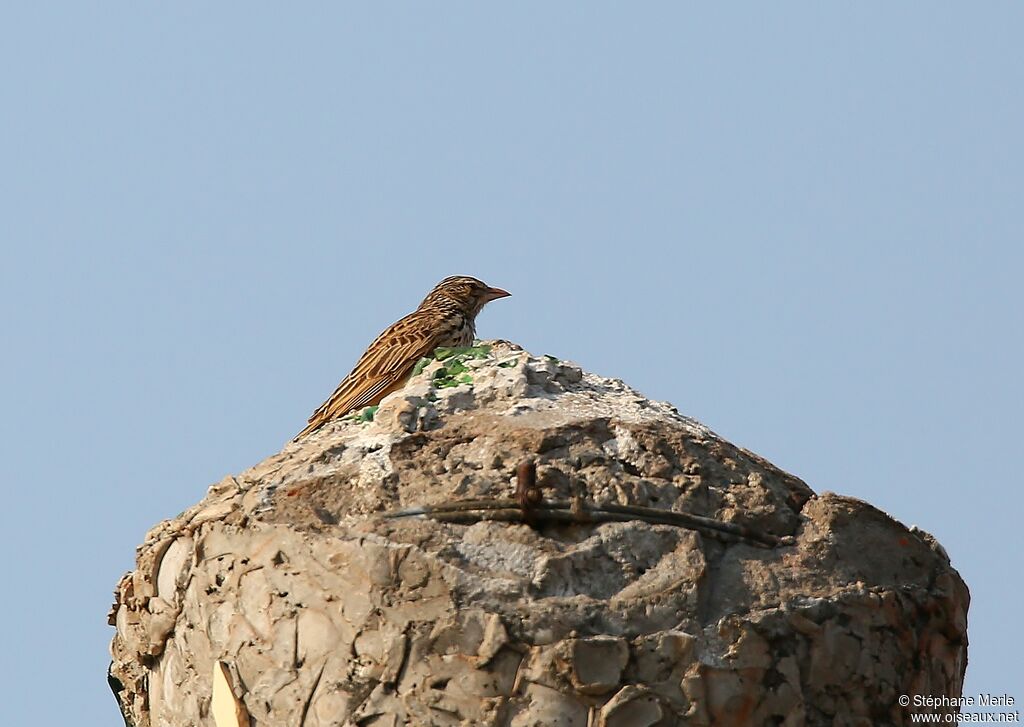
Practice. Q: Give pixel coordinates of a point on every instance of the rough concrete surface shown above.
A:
(325, 614)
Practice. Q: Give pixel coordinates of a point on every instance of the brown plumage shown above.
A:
(446, 317)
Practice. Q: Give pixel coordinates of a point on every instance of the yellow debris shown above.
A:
(227, 710)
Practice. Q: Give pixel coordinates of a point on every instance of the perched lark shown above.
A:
(446, 317)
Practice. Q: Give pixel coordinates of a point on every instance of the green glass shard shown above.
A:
(420, 365)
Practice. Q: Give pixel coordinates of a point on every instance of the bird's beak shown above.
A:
(495, 293)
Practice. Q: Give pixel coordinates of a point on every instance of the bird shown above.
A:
(446, 317)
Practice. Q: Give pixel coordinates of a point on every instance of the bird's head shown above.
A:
(469, 294)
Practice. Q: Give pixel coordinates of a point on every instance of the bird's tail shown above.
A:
(311, 427)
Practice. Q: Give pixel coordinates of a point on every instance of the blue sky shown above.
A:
(799, 223)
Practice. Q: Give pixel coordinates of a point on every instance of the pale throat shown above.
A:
(466, 332)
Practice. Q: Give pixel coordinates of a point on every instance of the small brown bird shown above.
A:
(446, 317)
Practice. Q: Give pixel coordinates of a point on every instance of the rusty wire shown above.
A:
(529, 507)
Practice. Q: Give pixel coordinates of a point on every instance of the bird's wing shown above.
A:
(387, 361)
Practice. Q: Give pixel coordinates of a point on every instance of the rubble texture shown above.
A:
(325, 614)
